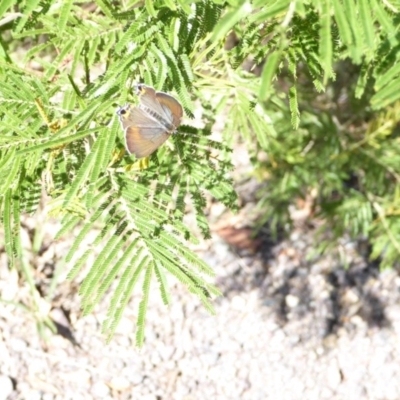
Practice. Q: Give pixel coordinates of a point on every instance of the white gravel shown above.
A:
(285, 329)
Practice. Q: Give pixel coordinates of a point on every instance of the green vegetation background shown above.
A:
(311, 87)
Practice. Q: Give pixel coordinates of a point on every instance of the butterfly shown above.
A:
(150, 123)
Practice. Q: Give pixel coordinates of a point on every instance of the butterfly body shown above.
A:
(150, 123)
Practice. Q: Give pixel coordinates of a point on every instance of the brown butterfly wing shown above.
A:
(148, 97)
(171, 106)
(143, 141)
(132, 115)
(143, 134)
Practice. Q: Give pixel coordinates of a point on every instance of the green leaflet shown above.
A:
(5, 5)
(230, 19)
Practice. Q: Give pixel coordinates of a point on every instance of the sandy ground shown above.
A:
(286, 328)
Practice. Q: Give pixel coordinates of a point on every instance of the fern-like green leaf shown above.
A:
(268, 74)
(98, 268)
(64, 14)
(122, 294)
(7, 221)
(27, 10)
(111, 275)
(383, 17)
(5, 5)
(143, 306)
(367, 21)
(162, 280)
(325, 44)
(294, 107)
(351, 12)
(16, 229)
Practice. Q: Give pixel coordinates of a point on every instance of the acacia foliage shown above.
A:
(66, 65)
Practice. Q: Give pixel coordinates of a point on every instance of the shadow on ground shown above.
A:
(321, 293)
